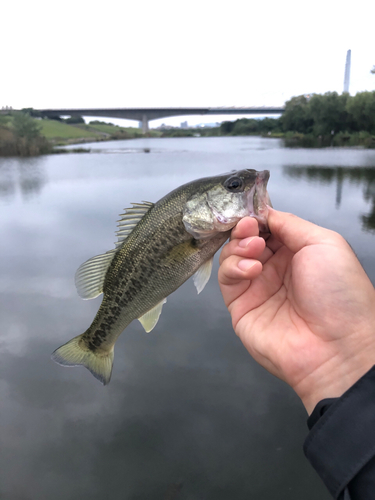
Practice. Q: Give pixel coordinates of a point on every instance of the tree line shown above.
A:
(330, 112)
(320, 119)
(329, 119)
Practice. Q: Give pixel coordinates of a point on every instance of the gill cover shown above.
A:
(220, 207)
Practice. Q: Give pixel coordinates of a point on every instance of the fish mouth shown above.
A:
(258, 200)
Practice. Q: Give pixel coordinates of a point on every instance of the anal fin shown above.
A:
(149, 320)
(203, 274)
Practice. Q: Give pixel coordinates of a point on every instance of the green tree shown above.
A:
(329, 112)
(28, 140)
(361, 109)
(226, 128)
(75, 119)
(297, 117)
(26, 127)
(268, 124)
(245, 126)
(32, 112)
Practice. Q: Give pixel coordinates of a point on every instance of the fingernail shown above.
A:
(245, 242)
(245, 265)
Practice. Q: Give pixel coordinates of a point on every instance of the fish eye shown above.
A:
(233, 184)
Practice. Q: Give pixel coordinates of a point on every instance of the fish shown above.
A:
(160, 246)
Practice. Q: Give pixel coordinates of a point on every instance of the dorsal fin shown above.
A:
(129, 219)
(90, 275)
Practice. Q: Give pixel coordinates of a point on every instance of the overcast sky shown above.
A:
(173, 53)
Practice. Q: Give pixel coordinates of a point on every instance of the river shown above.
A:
(188, 414)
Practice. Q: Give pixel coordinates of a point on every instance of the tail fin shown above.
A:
(75, 353)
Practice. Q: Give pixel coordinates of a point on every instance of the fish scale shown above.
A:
(159, 247)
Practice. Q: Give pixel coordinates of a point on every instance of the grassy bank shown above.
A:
(57, 131)
(23, 135)
(342, 139)
(61, 133)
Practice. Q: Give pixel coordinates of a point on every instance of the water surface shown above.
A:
(188, 414)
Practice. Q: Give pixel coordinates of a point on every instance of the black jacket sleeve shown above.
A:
(341, 442)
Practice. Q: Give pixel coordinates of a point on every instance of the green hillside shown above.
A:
(56, 130)
(25, 135)
(60, 132)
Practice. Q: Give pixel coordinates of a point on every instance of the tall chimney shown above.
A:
(347, 71)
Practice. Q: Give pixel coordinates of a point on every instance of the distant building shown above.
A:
(184, 125)
(208, 125)
(163, 126)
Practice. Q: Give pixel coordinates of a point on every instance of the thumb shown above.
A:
(295, 233)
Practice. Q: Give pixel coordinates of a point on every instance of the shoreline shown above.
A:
(59, 148)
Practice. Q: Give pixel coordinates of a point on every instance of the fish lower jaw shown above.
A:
(252, 212)
(259, 211)
(262, 223)
(261, 215)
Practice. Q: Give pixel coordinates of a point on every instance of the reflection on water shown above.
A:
(188, 414)
(173, 491)
(24, 174)
(360, 176)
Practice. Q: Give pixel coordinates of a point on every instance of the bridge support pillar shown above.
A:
(145, 128)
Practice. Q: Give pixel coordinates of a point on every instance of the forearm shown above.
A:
(341, 443)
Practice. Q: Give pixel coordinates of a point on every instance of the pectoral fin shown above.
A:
(203, 274)
(149, 320)
(90, 275)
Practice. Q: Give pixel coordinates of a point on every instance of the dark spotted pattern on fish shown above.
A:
(172, 240)
(150, 262)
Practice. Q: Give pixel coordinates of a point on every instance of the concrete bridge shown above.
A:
(144, 115)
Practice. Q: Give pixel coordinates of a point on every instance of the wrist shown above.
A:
(333, 383)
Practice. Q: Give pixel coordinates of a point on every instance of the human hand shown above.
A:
(301, 303)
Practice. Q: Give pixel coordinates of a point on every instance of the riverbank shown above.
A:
(12, 144)
(23, 135)
(340, 140)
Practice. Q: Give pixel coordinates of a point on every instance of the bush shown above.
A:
(26, 127)
(22, 147)
(98, 122)
(244, 126)
(32, 112)
(74, 119)
(297, 140)
(24, 139)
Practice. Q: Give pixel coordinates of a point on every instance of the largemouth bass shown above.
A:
(159, 247)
